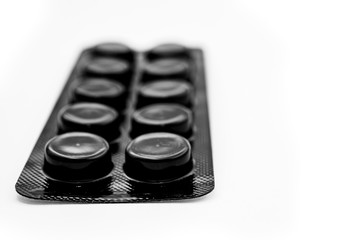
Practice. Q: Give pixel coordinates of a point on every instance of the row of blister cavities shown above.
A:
(161, 124)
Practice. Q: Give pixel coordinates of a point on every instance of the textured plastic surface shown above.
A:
(117, 187)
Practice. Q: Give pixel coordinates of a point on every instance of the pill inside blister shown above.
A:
(162, 91)
(112, 49)
(101, 91)
(77, 157)
(166, 68)
(168, 50)
(109, 68)
(158, 157)
(172, 118)
(89, 117)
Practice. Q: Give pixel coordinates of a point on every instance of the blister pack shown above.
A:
(129, 126)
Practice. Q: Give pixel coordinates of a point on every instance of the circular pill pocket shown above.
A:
(109, 68)
(171, 118)
(101, 91)
(162, 91)
(90, 117)
(166, 68)
(115, 50)
(157, 157)
(168, 50)
(77, 157)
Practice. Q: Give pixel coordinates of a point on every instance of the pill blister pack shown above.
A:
(129, 126)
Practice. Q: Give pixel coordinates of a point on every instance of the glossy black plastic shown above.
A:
(105, 67)
(166, 68)
(166, 117)
(77, 157)
(89, 117)
(158, 157)
(100, 90)
(166, 91)
(125, 178)
(115, 50)
(168, 50)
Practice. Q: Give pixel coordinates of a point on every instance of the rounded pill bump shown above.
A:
(172, 118)
(101, 90)
(158, 156)
(166, 68)
(161, 91)
(77, 157)
(113, 49)
(89, 117)
(168, 50)
(112, 68)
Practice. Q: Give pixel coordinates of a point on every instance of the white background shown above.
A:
(284, 84)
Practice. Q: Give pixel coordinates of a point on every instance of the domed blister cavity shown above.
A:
(172, 118)
(157, 157)
(112, 68)
(166, 68)
(165, 91)
(115, 50)
(103, 91)
(89, 117)
(77, 157)
(168, 50)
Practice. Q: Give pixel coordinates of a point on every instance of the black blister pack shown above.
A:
(128, 127)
